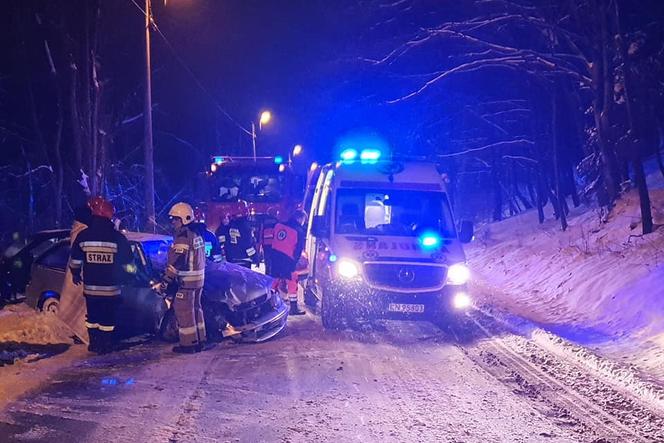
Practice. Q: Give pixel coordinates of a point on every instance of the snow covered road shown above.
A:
(399, 381)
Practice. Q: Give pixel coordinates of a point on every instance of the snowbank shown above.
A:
(21, 324)
(597, 284)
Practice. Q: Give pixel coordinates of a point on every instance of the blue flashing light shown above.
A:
(370, 155)
(218, 159)
(332, 258)
(430, 240)
(348, 155)
(278, 160)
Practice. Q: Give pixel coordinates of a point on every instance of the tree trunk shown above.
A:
(59, 170)
(31, 192)
(556, 166)
(658, 151)
(572, 186)
(635, 132)
(75, 117)
(603, 97)
(497, 194)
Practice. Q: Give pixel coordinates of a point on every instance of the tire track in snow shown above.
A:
(562, 393)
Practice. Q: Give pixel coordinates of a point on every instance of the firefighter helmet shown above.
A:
(101, 207)
(183, 211)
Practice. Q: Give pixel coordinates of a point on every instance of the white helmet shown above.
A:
(184, 211)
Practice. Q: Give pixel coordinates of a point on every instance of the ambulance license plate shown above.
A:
(404, 307)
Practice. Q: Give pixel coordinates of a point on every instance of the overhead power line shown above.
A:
(191, 73)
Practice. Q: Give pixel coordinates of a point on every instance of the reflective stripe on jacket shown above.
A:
(103, 255)
(186, 260)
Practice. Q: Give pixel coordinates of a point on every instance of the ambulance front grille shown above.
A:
(401, 276)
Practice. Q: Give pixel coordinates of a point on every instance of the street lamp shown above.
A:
(264, 119)
(297, 150)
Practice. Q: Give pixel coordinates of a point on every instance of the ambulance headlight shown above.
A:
(461, 300)
(458, 274)
(348, 269)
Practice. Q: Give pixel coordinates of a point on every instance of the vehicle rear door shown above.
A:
(48, 273)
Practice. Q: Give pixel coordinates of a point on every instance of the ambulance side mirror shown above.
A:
(466, 231)
(320, 228)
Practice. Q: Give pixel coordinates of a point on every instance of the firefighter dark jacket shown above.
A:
(237, 241)
(212, 246)
(186, 260)
(104, 256)
(287, 247)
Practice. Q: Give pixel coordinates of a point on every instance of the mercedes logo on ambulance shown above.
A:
(406, 275)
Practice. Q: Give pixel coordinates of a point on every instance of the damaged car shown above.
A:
(237, 302)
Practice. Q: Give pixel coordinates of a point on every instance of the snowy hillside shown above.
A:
(600, 285)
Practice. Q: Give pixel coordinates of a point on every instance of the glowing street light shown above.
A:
(264, 119)
(297, 150)
(266, 116)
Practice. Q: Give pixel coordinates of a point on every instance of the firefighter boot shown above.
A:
(105, 342)
(205, 346)
(95, 344)
(185, 349)
(295, 309)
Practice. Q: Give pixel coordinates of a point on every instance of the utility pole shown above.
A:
(253, 138)
(148, 148)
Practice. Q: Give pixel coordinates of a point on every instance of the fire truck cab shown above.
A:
(382, 242)
(266, 187)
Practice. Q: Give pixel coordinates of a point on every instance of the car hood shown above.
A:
(233, 284)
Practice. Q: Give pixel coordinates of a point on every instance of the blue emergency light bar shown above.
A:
(218, 160)
(348, 155)
(366, 155)
(278, 160)
(370, 155)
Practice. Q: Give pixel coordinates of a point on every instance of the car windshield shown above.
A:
(250, 186)
(399, 213)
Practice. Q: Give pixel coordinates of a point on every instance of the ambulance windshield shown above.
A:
(397, 213)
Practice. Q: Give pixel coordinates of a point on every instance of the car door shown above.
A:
(141, 309)
(47, 274)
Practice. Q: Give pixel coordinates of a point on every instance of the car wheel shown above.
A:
(331, 311)
(51, 306)
(169, 327)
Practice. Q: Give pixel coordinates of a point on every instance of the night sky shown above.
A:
(291, 57)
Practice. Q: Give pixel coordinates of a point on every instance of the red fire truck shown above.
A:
(268, 187)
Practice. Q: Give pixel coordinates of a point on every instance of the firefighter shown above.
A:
(103, 256)
(212, 245)
(287, 247)
(186, 272)
(237, 239)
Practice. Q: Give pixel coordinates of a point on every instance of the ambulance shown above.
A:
(383, 243)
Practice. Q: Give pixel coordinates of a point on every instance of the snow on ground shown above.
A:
(33, 345)
(22, 324)
(597, 284)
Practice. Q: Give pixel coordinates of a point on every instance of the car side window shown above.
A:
(58, 257)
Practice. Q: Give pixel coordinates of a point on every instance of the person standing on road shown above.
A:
(212, 245)
(287, 247)
(237, 239)
(100, 259)
(186, 271)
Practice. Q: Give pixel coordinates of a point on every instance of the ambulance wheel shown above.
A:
(331, 311)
